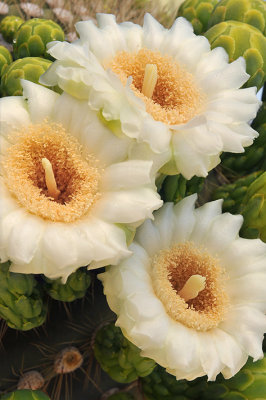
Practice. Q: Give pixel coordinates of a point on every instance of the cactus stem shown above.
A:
(150, 80)
(193, 286)
(50, 179)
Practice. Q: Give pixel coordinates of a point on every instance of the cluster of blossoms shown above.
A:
(78, 176)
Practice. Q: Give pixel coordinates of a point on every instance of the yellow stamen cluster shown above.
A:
(175, 98)
(76, 174)
(172, 270)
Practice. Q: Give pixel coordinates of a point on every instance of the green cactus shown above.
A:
(33, 35)
(5, 59)
(248, 384)
(241, 39)
(254, 158)
(176, 187)
(118, 357)
(160, 385)
(121, 396)
(253, 209)
(252, 12)
(75, 287)
(198, 13)
(21, 303)
(25, 395)
(234, 193)
(9, 26)
(29, 68)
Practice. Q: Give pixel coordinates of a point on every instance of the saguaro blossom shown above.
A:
(69, 194)
(163, 88)
(192, 296)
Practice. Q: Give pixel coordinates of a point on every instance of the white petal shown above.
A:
(184, 219)
(222, 231)
(231, 76)
(209, 356)
(229, 351)
(129, 174)
(81, 121)
(153, 32)
(149, 237)
(127, 206)
(13, 115)
(249, 288)
(41, 100)
(59, 245)
(245, 256)
(203, 218)
(24, 239)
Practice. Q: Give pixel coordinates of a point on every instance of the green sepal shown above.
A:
(234, 193)
(33, 35)
(21, 302)
(252, 12)
(198, 13)
(241, 39)
(118, 357)
(129, 232)
(74, 288)
(9, 26)
(5, 59)
(25, 395)
(176, 187)
(113, 125)
(29, 68)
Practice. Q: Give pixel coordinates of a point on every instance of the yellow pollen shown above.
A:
(173, 96)
(149, 80)
(50, 179)
(193, 286)
(50, 174)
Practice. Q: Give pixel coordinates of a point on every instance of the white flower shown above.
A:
(64, 16)
(196, 110)
(77, 209)
(4, 8)
(31, 9)
(195, 326)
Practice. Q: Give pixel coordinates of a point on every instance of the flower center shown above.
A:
(49, 174)
(175, 97)
(191, 285)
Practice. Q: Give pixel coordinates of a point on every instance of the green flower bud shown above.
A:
(75, 287)
(29, 68)
(32, 37)
(118, 357)
(253, 209)
(241, 39)
(9, 26)
(254, 158)
(176, 187)
(252, 12)
(198, 13)
(25, 395)
(5, 59)
(21, 303)
(234, 193)
(248, 384)
(160, 385)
